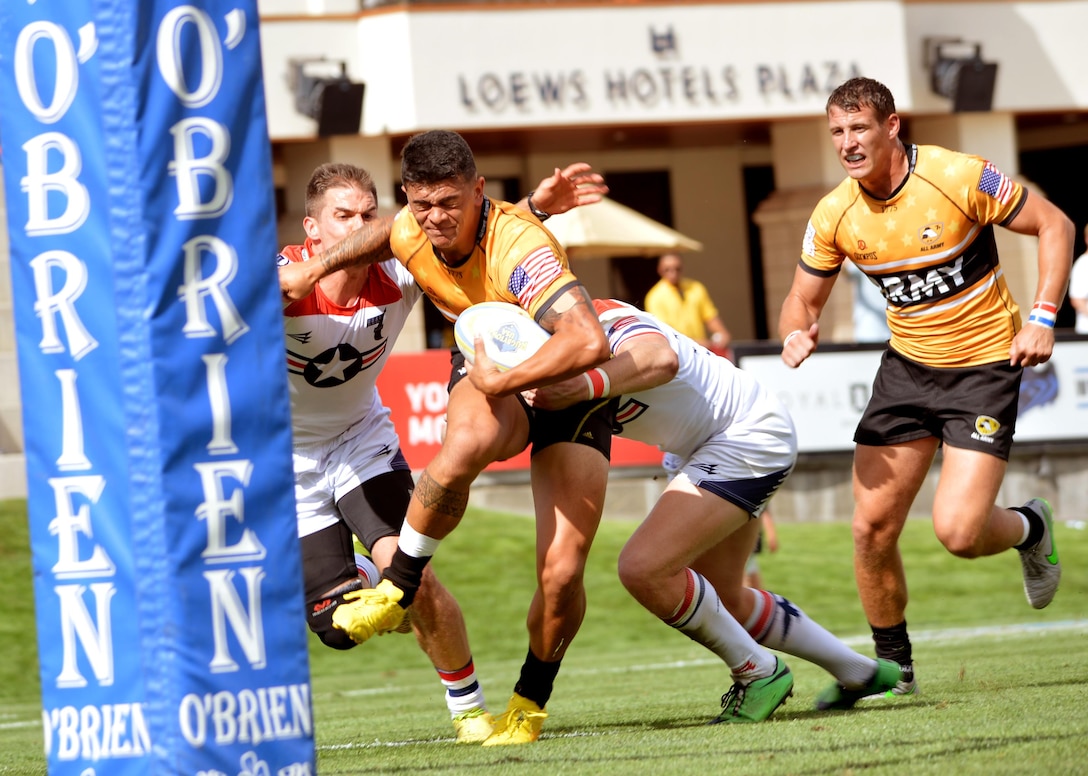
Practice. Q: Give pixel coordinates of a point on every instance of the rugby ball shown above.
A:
(509, 333)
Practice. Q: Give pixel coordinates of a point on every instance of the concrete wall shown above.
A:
(819, 490)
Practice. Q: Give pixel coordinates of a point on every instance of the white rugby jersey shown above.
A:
(707, 394)
(334, 353)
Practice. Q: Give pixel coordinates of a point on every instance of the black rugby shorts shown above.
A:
(973, 408)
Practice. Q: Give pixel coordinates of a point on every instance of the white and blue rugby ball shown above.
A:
(509, 333)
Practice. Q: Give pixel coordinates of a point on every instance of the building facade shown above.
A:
(708, 116)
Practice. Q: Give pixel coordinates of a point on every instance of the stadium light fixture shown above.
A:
(324, 93)
(958, 73)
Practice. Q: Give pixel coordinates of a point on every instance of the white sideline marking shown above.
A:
(943, 635)
(938, 636)
(450, 740)
(23, 724)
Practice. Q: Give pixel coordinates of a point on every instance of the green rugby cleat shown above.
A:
(886, 679)
(757, 700)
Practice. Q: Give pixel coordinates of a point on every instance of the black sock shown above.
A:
(537, 679)
(893, 644)
(406, 573)
(1036, 526)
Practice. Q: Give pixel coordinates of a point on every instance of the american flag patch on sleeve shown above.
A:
(534, 274)
(994, 183)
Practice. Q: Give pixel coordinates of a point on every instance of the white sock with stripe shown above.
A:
(463, 691)
(778, 623)
(701, 617)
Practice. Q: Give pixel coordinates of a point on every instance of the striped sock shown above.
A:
(463, 691)
(778, 623)
(701, 617)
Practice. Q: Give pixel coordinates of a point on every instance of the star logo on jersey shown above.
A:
(334, 366)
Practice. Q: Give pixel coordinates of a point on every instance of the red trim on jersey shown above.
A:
(379, 290)
(601, 305)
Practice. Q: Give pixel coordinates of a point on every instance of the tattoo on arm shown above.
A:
(366, 245)
(439, 498)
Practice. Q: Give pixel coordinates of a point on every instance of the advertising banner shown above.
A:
(827, 394)
(413, 387)
(166, 566)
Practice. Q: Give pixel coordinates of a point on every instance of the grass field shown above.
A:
(1003, 686)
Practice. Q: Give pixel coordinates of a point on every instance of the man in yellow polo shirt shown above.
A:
(685, 305)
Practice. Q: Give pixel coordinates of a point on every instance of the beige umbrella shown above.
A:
(607, 228)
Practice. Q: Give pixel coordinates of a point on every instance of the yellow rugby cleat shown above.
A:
(519, 724)
(370, 612)
(473, 726)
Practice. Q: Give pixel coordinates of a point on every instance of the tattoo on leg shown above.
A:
(439, 498)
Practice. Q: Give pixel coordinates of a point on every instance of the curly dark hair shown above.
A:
(436, 156)
(858, 93)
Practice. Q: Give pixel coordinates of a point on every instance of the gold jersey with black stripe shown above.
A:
(515, 259)
(930, 249)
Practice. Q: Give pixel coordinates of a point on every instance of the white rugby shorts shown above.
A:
(747, 461)
(326, 471)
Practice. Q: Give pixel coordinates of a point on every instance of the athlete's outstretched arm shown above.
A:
(366, 245)
(573, 186)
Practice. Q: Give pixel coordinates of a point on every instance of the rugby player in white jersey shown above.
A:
(350, 476)
(685, 562)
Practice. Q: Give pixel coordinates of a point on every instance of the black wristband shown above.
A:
(540, 214)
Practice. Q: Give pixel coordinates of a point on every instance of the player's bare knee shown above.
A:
(563, 569)
(561, 584)
(961, 544)
(319, 615)
(876, 534)
(466, 451)
(636, 571)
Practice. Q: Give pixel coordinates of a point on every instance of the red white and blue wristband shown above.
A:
(1043, 314)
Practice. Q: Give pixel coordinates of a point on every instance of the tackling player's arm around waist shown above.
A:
(577, 343)
(640, 363)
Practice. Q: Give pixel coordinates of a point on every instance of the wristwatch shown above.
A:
(535, 210)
